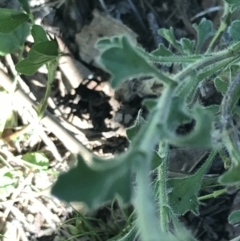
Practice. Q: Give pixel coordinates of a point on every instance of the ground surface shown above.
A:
(96, 115)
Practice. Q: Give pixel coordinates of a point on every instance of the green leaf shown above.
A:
(213, 110)
(14, 40)
(105, 43)
(25, 5)
(187, 45)
(162, 51)
(234, 217)
(221, 85)
(178, 113)
(7, 117)
(236, 110)
(38, 34)
(201, 134)
(94, 187)
(37, 160)
(204, 31)
(7, 183)
(234, 30)
(72, 229)
(183, 191)
(156, 160)
(169, 36)
(149, 103)
(11, 19)
(231, 177)
(43, 52)
(133, 130)
(235, 3)
(27, 67)
(123, 61)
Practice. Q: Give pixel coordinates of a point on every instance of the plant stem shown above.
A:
(162, 196)
(231, 139)
(222, 27)
(6, 163)
(162, 187)
(51, 66)
(222, 55)
(144, 205)
(213, 195)
(146, 217)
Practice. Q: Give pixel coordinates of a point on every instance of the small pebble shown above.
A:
(30, 218)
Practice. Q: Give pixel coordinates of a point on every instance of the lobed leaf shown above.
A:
(162, 51)
(220, 85)
(169, 36)
(199, 136)
(94, 187)
(184, 191)
(178, 113)
(105, 43)
(187, 45)
(230, 177)
(234, 30)
(123, 61)
(204, 31)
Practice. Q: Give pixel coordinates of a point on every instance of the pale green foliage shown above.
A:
(95, 181)
(233, 3)
(85, 182)
(8, 181)
(234, 217)
(234, 30)
(36, 160)
(183, 191)
(124, 60)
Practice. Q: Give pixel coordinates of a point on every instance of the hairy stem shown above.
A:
(147, 221)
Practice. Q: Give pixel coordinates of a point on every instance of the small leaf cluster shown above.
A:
(14, 28)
